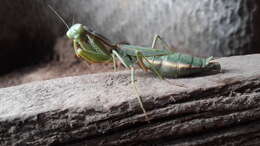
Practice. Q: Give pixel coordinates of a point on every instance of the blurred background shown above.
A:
(33, 45)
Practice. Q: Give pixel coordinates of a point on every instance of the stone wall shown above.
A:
(203, 27)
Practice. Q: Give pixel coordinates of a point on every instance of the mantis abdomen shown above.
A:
(178, 65)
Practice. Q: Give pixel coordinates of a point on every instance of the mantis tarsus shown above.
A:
(95, 48)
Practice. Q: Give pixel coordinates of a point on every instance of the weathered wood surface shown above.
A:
(101, 109)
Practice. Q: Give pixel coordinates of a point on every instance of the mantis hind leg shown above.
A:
(140, 58)
(158, 38)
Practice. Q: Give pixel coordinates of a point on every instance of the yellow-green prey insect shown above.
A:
(95, 48)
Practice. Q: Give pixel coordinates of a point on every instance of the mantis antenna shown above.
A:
(72, 20)
(58, 15)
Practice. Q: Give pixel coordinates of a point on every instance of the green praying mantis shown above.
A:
(95, 48)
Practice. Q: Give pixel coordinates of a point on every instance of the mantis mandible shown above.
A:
(95, 48)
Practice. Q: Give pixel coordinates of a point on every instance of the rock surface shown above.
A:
(101, 109)
(202, 27)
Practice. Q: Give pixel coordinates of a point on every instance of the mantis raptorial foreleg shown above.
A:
(75, 47)
(79, 52)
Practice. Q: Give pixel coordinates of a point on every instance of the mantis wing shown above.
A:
(147, 52)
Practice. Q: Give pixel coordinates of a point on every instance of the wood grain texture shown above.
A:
(101, 109)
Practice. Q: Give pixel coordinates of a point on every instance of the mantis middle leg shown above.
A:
(129, 64)
(133, 81)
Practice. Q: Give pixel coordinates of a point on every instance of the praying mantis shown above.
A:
(95, 48)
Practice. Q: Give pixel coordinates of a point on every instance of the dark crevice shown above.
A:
(27, 36)
(25, 52)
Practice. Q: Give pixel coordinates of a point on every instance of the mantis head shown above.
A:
(76, 31)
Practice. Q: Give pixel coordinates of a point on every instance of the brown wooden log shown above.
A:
(101, 109)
